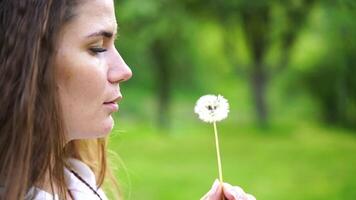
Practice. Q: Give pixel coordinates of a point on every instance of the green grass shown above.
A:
(291, 162)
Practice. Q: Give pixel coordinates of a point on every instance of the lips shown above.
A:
(114, 100)
(112, 104)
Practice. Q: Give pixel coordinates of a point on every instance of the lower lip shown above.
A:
(112, 106)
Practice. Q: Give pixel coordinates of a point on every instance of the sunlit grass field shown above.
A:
(279, 163)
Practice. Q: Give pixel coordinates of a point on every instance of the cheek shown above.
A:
(81, 79)
(82, 87)
(86, 84)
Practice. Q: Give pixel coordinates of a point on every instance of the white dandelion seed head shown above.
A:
(212, 108)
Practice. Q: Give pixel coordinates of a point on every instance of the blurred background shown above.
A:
(287, 68)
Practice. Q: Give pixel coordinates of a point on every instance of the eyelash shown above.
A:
(97, 50)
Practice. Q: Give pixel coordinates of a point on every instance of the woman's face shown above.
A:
(89, 70)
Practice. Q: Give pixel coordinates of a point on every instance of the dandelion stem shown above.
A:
(218, 153)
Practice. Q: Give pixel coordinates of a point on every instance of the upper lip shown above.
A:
(114, 100)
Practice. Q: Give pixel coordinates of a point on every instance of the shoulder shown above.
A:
(37, 194)
(81, 181)
(79, 187)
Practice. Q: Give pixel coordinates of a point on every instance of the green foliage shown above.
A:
(330, 67)
(209, 46)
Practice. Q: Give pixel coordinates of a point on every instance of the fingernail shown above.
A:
(215, 186)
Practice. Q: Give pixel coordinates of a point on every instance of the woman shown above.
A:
(59, 85)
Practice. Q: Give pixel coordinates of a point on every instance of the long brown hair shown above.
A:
(32, 134)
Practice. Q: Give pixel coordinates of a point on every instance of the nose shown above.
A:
(118, 69)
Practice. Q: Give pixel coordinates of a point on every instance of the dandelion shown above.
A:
(212, 109)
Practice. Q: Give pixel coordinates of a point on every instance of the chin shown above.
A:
(108, 125)
(101, 130)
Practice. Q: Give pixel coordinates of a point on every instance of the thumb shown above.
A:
(214, 193)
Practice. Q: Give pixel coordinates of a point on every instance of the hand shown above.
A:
(229, 192)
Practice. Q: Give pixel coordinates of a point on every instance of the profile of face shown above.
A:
(89, 70)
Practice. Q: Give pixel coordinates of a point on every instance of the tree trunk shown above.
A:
(163, 84)
(258, 82)
(256, 22)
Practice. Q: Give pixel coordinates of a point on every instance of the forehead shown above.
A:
(93, 15)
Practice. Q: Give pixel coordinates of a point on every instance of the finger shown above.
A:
(214, 193)
(234, 192)
(228, 191)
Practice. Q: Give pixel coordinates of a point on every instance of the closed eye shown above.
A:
(97, 50)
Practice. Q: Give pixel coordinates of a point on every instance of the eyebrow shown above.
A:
(106, 34)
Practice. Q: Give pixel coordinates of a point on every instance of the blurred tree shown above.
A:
(256, 20)
(331, 78)
(160, 28)
(158, 34)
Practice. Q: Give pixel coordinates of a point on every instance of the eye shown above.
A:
(97, 50)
